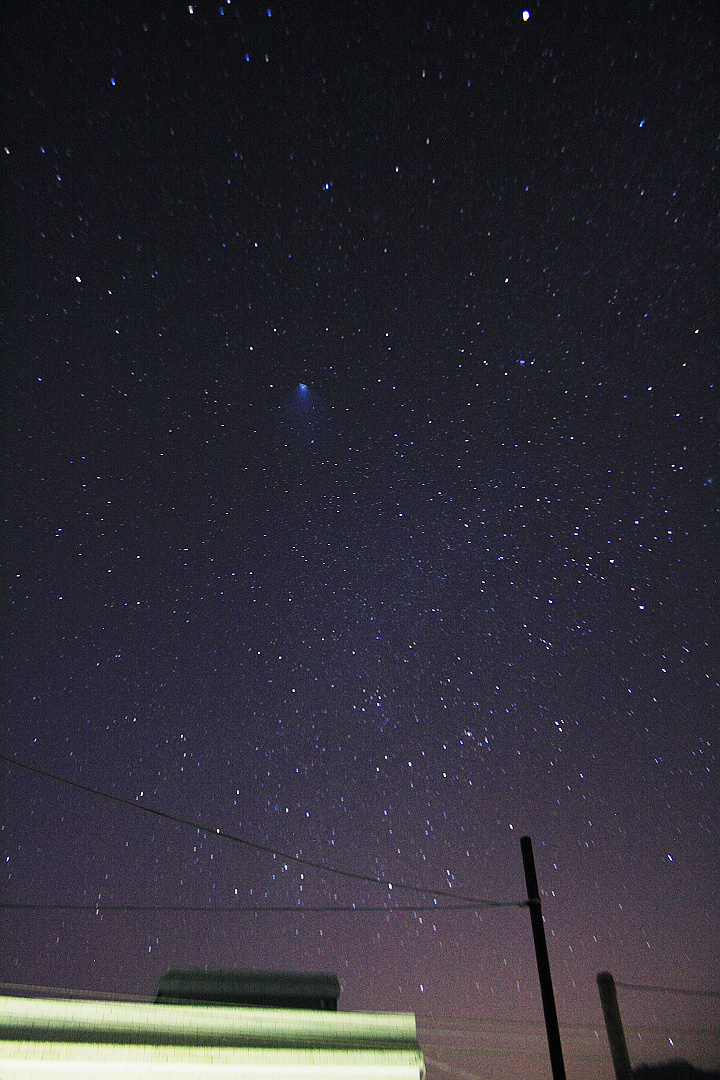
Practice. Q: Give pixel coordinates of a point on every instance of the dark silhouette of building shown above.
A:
(261, 989)
(677, 1069)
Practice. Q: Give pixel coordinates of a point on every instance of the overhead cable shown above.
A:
(668, 990)
(301, 860)
(358, 909)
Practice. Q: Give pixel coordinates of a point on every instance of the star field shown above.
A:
(361, 450)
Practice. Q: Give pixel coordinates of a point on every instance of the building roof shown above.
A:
(89, 1040)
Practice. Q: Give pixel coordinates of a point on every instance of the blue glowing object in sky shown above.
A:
(302, 388)
(526, 15)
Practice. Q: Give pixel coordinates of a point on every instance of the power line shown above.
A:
(313, 865)
(101, 909)
(668, 990)
(426, 1021)
(71, 992)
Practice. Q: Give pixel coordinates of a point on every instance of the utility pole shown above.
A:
(543, 961)
(613, 1026)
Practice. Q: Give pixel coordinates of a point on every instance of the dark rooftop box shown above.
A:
(263, 989)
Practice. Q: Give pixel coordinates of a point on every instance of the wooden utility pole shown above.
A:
(613, 1026)
(543, 961)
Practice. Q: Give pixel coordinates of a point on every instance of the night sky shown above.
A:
(360, 458)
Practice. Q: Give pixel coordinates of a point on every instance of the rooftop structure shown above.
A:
(264, 989)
